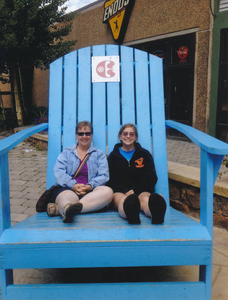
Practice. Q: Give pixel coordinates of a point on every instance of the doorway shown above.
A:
(178, 54)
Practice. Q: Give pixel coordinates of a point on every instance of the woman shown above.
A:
(86, 193)
(132, 178)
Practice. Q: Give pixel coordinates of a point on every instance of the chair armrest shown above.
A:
(6, 145)
(204, 141)
(212, 152)
(12, 141)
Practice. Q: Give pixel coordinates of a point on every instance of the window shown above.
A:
(223, 5)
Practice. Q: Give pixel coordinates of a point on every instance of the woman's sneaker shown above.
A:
(70, 211)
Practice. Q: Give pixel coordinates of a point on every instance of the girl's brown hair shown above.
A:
(126, 126)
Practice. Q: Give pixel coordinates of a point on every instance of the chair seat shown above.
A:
(100, 237)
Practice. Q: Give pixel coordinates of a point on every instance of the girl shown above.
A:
(132, 178)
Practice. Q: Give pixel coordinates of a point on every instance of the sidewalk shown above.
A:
(28, 178)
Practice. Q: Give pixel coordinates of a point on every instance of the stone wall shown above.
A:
(186, 198)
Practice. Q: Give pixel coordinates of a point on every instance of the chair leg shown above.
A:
(205, 274)
(6, 279)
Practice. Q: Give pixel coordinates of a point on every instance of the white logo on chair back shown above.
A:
(105, 69)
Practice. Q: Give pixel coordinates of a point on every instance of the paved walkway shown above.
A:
(27, 177)
(27, 180)
(183, 152)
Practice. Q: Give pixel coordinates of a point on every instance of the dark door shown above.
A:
(178, 54)
(181, 95)
(222, 109)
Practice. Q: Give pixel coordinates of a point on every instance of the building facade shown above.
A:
(180, 31)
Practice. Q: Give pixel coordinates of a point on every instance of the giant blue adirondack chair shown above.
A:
(104, 240)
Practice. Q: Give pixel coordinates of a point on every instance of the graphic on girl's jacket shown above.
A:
(139, 163)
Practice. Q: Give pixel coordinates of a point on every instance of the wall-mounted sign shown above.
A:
(117, 14)
(105, 68)
(182, 53)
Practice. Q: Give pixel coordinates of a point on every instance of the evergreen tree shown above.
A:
(31, 34)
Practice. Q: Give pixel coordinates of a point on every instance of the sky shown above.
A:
(76, 4)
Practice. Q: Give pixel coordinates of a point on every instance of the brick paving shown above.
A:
(27, 167)
(183, 152)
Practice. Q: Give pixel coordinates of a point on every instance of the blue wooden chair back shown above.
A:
(137, 98)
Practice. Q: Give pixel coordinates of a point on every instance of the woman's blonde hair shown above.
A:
(84, 124)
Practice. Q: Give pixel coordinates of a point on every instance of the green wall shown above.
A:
(220, 22)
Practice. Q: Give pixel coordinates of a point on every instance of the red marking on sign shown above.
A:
(105, 69)
(182, 52)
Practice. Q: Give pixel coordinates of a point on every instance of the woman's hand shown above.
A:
(129, 193)
(81, 189)
(87, 188)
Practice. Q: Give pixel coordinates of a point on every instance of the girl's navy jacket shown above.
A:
(138, 174)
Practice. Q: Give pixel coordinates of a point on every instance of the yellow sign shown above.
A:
(117, 14)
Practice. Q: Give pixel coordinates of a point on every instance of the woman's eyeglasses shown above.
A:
(86, 133)
(131, 134)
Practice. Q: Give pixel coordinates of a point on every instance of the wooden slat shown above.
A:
(113, 103)
(158, 125)
(55, 118)
(127, 83)
(87, 255)
(205, 276)
(142, 98)
(84, 84)
(70, 93)
(99, 107)
(206, 191)
(4, 193)
(5, 280)
(111, 291)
